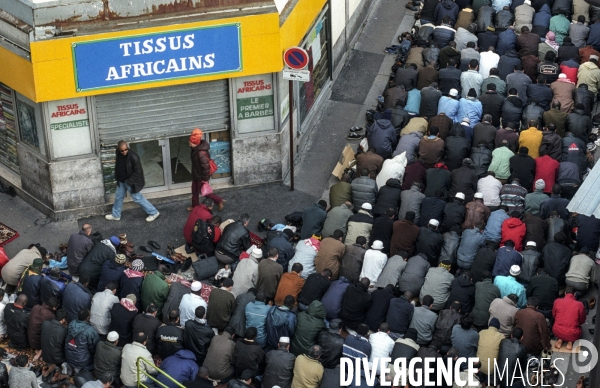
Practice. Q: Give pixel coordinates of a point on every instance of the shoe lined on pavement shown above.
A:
(110, 217)
(354, 136)
(356, 129)
(152, 217)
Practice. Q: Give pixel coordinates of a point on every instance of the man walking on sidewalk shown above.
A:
(130, 177)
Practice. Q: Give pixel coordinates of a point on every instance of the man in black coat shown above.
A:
(492, 102)
(148, 324)
(332, 344)
(16, 319)
(545, 289)
(383, 228)
(431, 208)
(53, 337)
(170, 336)
(578, 123)
(430, 97)
(282, 241)
(511, 351)
(400, 312)
(314, 288)
(454, 213)
(378, 311)
(540, 92)
(581, 95)
(248, 354)
(130, 178)
(484, 261)
(449, 77)
(430, 241)
(356, 303)
(197, 335)
(556, 257)
(522, 167)
(280, 365)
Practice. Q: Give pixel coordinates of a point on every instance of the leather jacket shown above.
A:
(135, 174)
(234, 240)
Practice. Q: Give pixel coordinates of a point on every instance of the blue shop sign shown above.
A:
(157, 56)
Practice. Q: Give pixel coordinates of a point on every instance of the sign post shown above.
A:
(295, 59)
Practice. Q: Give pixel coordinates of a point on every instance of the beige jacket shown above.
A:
(308, 372)
(129, 357)
(504, 309)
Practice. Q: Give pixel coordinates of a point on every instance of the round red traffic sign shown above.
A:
(295, 58)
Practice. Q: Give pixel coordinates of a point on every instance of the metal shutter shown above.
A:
(162, 112)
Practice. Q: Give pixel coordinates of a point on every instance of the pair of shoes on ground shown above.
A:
(355, 133)
(392, 49)
(150, 218)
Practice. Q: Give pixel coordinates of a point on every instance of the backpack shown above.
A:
(203, 234)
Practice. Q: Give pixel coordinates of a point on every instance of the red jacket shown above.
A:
(513, 229)
(546, 168)
(569, 315)
(199, 212)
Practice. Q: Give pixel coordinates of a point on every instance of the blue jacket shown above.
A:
(356, 346)
(470, 242)
(446, 8)
(542, 17)
(332, 300)
(75, 298)
(509, 285)
(80, 344)
(181, 366)
(281, 322)
(493, 227)
(285, 248)
(471, 108)
(382, 137)
(505, 258)
(413, 102)
(111, 271)
(507, 40)
(256, 316)
(449, 106)
(594, 36)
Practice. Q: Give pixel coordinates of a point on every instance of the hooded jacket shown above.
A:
(382, 137)
(589, 74)
(75, 298)
(513, 229)
(389, 197)
(80, 344)
(181, 366)
(392, 169)
(92, 263)
(332, 300)
(111, 271)
(569, 314)
(446, 8)
(155, 290)
(310, 323)
(507, 63)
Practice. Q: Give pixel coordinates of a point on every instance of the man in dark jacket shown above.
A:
(112, 270)
(248, 354)
(351, 263)
(280, 365)
(578, 123)
(382, 138)
(430, 241)
(53, 337)
(447, 318)
(16, 319)
(107, 358)
(332, 344)
(200, 157)
(81, 341)
(234, 240)
(491, 102)
(314, 288)
(545, 289)
(540, 92)
(130, 178)
(91, 266)
(581, 95)
(76, 297)
(313, 219)
(527, 42)
(377, 313)
(449, 75)
(356, 303)
(456, 146)
(464, 180)
(551, 143)
(522, 167)
(454, 212)
(282, 241)
(52, 285)
(197, 335)
(404, 235)
(413, 276)
(39, 314)
(383, 229)
(430, 96)
(147, 323)
(507, 63)
(556, 257)
(399, 314)
(170, 336)
(78, 246)
(511, 351)
(512, 109)
(407, 76)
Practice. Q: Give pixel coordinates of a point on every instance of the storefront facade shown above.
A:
(66, 101)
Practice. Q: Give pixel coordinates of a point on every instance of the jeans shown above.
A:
(122, 189)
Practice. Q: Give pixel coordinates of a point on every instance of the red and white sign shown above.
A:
(295, 58)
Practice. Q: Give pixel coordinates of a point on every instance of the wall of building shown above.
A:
(256, 159)
(347, 16)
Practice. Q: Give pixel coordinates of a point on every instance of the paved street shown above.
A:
(361, 80)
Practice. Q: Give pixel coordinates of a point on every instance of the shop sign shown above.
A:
(157, 56)
(70, 127)
(255, 106)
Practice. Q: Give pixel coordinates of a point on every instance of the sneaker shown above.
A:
(356, 129)
(110, 217)
(152, 217)
(354, 136)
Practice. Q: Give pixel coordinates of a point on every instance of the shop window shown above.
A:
(69, 127)
(316, 43)
(8, 129)
(30, 122)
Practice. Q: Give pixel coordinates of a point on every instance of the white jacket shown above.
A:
(381, 346)
(490, 188)
(373, 264)
(102, 304)
(392, 168)
(129, 357)
(187, 307)
(244, 277)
